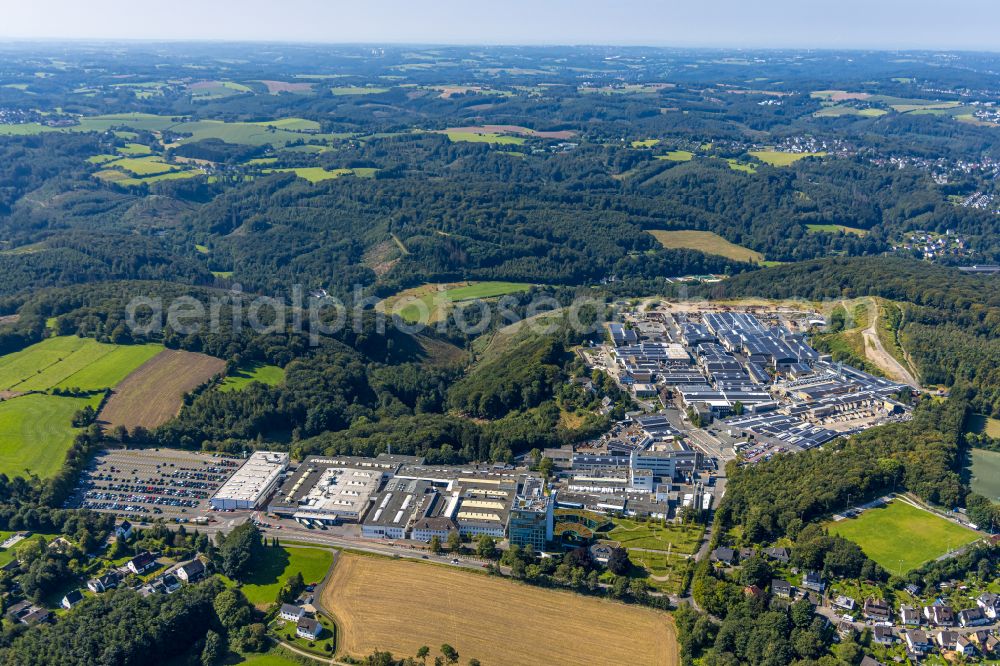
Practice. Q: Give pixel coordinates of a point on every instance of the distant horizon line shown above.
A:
(434, 44)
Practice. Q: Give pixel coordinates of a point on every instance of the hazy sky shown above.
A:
(969, 24)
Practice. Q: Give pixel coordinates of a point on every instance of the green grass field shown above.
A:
(485, 137)
(902, 537)
(319, 174)
(677, 156)
(135, 149)
(653, 536)
(428, 295)
(281, 563)
(985, 478)
(35, 432)
(736, 165)
(276, 657)
(253, 372)
(707, 242)
(645, 143)
(835, 228)
(980, 423)
(358, 90)
(779, 159)
(69, 361)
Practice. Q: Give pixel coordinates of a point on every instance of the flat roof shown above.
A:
(255, 477)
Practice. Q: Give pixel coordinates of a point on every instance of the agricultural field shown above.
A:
(780, 159)
(153, 393)
(271, 375)
(434, 300)
(707, 242)
(207, 90)
(281, 563)
(985, 473)
(399, 605)
(483, 137)
(901, 537)
(736, 165)
(645, 143)
(843, 110)
(36, 432)
(835, 228)
(71, 362)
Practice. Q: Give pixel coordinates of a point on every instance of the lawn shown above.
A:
(707, 242)
(902, 537)
(654, 536)
(835, 228)
(276, 657)
(71, 362)
(36, 432)
(280, 564)
(253, 372)
(985, 478)
(399, 605)
(779, 159)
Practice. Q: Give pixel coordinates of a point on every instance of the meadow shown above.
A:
(707, 242)
(780, 159)
(985, 473)
(677, 156)
(902, 537)
(435, 300)
(980, 423)
(399, 605)
(483, 137)
(71, 362)
(281, 563)
(271, 375)
(36, 432)
(835, 228)
(319, 174)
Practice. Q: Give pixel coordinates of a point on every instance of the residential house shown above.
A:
(724, 555)
(104, 583)
(884, 635)
(291, 613)
(778, 554)
(918, 642)
(964, 647)
(869, 661)
(843, 603)
(909, 615)
(309, 629)
(877, 610)
(752, 591)
(747, 553)
(972, 617)
(191, 571)
(990, 645)
(781, 588)
(990, 604)
(123, 530)
(71, 599)
(946, 639)
(142, 563)
(170, 583)
(813, 580)
(913, 590)
(939, 615)
(26, 612)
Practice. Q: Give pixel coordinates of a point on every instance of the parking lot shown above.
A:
(143, 485)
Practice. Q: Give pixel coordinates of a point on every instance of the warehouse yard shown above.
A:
(400, 605)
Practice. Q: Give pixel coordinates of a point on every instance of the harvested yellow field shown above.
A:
(400, 605)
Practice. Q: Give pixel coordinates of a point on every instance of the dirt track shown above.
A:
(877, 354)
